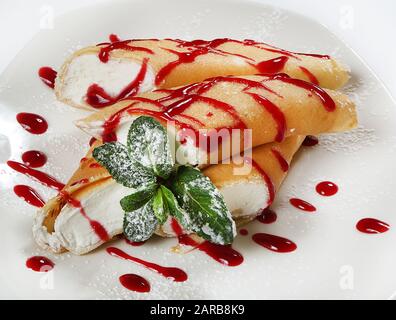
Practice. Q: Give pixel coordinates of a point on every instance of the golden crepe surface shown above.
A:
(273, 107)
(97, 76)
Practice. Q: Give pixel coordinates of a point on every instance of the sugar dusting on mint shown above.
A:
(216, 204)
(115, 158)
(157, 146)
(140, 224)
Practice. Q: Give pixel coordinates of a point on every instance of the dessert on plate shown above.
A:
(141, 176)
(190, 139)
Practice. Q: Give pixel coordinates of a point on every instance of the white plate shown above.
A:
(333, 260)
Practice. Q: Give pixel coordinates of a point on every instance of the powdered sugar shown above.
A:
(350, 141)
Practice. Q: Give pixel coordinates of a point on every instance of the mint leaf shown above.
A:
(204, 206)
(174, 209)
(138, 198)
(115, 158)
(140, 224)
(148, 145)
(160, 207)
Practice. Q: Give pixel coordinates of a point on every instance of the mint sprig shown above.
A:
(160, 189)
(175, 210)
(138, 198)
(204, 205)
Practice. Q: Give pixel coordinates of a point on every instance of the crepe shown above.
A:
(247, 111)
(98, 76)
(87, 213)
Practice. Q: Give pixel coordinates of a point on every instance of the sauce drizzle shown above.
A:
(223, 254)
(98, 98)
(175, 274)
(37, 175)
(282, 161)
(267, 216)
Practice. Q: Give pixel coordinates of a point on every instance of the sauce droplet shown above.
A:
(310, 141)
(32, 123)
(29, 195)
(274, 243)
(40, 264)
(243, 232)
(267, 216)
(48, 76)
(326, 188)
(272, 66)
(92, 141)
(135, 282)
(371, 226)
(302, 205)
(114, 38)
(34, 158)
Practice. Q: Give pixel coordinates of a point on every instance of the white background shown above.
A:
(367, 26)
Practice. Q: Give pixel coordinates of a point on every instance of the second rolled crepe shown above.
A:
(269, 108)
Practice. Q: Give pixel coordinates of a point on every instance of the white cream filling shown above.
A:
(42, 236)
(74, 230)
(245, 198)
(113, 76)
(167, 228)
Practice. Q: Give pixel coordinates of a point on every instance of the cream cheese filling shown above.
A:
(112, 76)
(73, 230)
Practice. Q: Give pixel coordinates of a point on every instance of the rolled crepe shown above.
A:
(98, 76)
(272, 107)
(87, 213)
